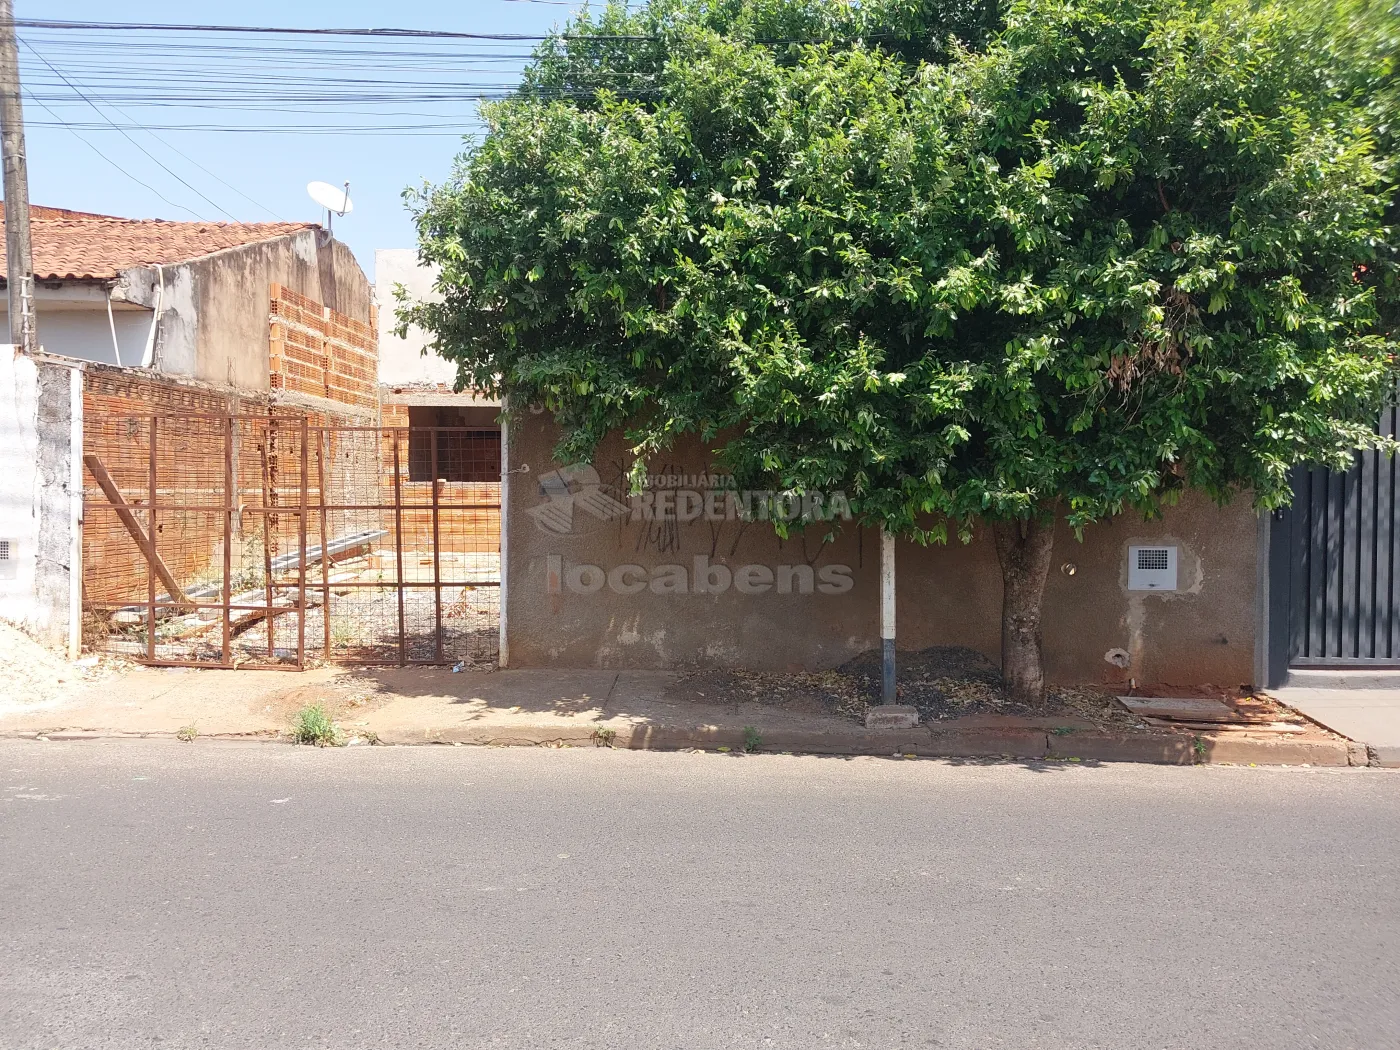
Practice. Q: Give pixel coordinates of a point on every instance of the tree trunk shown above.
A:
(1024, 549)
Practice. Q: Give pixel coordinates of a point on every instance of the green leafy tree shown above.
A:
(1059, 259)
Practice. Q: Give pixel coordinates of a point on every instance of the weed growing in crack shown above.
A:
(312, 725)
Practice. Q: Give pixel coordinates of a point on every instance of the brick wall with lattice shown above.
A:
(320, 353)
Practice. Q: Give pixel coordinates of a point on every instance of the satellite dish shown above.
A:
(332, 198)
(336, 201)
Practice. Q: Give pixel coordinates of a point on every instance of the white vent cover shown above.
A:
(9, 566)
(1151, 568)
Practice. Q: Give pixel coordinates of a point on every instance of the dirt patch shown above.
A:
(35, 676)
(943, 682)
(347, 698)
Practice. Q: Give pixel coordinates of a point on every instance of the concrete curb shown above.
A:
(1172, 749)
(68, 735)
(1007, 742)
(971, 742)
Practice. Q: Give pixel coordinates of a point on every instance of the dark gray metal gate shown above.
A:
(1335, 567)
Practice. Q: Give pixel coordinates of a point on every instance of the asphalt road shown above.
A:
(249, 896)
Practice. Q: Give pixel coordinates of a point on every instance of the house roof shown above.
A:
(71, 245)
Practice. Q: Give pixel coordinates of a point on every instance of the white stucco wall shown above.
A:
(87, 334)
(19, 484)
(402, 361)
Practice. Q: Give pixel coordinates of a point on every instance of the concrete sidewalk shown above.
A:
(1369, 716)
(624, 709)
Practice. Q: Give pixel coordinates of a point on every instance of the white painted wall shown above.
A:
(19, 483)
(402, 361)
(86, 334)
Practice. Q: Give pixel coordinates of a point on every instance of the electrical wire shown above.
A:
(138, 145)
(427, 34)
(114, 164)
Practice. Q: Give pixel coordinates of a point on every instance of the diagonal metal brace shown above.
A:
(123, 509)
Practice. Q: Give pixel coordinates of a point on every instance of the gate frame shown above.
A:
(152, 507)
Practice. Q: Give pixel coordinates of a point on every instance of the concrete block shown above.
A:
(891, 716)
(1357, 754)
(1244, 751)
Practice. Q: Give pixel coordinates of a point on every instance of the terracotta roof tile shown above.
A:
(80, 246)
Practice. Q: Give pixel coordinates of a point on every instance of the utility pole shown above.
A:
(19, 254)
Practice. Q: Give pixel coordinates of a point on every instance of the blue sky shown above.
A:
(254, 165)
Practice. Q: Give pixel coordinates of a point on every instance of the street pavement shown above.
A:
(159, 894)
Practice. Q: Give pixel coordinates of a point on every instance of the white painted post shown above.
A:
(502, 596)
(887, 681)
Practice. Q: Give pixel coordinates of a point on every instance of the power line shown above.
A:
(206, 171)
(138, 145)
(410, 130)
(431, 34)
(108, 159)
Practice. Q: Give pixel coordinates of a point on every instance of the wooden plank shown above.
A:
(1199, 709)
(1226, 727)
(127, 518)
(1383, 597)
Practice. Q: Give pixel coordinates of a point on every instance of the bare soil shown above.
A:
(942, 682)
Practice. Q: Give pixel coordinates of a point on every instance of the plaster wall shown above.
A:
(40, 497)
(214, 311)
(19, 485)
(402, 361)
(947, 595)
(58, 565)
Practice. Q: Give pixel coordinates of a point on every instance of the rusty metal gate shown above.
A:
(279, 542)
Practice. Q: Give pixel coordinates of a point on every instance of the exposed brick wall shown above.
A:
(190, 469)
(190, 464)
(475, 529)
(314, 350)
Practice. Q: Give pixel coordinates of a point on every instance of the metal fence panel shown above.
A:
(266, 541)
